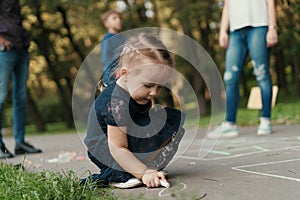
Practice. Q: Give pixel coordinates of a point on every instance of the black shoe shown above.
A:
(24, 147)
(19, 166)
(4, 153)
(94, 181)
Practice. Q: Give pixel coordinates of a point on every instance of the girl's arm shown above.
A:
(118, 146)
(223, 34)
(272, 37)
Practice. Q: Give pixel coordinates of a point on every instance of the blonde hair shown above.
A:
(144, 47)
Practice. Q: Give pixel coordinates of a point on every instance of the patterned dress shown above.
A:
(147, 130)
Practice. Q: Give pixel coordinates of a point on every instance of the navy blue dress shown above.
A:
(147, 129)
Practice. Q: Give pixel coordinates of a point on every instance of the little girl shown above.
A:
(127, 138)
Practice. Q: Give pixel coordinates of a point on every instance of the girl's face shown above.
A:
(144, 83)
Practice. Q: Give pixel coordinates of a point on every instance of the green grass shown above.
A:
(19, 184)
(282, 114)
(286, 111)
(52, 128)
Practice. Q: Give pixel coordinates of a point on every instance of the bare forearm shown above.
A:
(271, 14)
(225, 18)
(272, 37)
(128, 161)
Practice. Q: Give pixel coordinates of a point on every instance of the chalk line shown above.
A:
(220, 152)
(260, 148)
(238, 155)
(168, 194)
(238, 168)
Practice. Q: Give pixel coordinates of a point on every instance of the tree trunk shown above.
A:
(279, 67)
(67, 26)
(296, 74)
(198, 82)
(244, 84)
(199, 87)
(35, 117)
(165, 97)
(44, 45)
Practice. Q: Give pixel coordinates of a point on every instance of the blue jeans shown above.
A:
(14, 64)
(242, 41)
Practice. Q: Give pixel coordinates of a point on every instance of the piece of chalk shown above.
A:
(165, 184)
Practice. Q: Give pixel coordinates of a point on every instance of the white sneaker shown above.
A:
(133, 182)
(265, 126)
(225, 130)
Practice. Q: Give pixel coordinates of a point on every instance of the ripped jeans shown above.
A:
(242, 41)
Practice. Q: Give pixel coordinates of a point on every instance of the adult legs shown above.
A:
(15, 64)
(235, 58)
(6, 66)
(19, 77)
(260, 56)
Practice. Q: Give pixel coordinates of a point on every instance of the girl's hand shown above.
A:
(151, 178)
(223, 39)
(272, 37)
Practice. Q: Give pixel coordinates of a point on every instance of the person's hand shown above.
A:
(6, 45)
(272, 37)
(223, 39)
(151, 178)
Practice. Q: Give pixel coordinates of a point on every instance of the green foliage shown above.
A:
(18, 184)
(285, 112)
(63, 32)
(51, 109)
(52, 128)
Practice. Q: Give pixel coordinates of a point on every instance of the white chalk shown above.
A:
(165, 184)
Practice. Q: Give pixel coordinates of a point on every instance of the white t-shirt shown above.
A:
(244, 13)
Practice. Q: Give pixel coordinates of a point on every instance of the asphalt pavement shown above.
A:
(245, 167)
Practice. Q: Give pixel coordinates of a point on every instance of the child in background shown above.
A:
(126, 138)
(109, 46)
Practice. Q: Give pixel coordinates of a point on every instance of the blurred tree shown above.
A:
(284, 54)
(64, 32)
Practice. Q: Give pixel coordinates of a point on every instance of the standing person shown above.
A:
(110, 47)
(252, 29)
(128, 140)
(14, 61)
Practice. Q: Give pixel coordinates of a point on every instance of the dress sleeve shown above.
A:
(117, 112)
